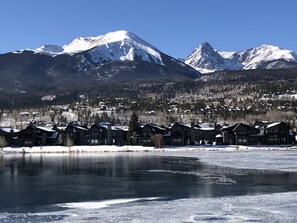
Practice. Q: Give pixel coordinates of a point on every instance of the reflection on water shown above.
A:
(31, 182)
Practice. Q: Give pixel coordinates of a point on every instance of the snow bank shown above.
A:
(76, 149)
(105, 148)
(241, 157)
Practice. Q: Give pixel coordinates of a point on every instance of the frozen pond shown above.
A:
(101, 187)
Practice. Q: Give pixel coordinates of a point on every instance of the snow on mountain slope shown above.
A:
(258, 55)
(114, 46)
(207, 59)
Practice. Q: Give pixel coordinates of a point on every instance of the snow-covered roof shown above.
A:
(61, 128)
(273, 124)
(230, 127)
(8, 129)
(113, 128)
(80, 127)
(207, 129)
(156, 127)
(124, 128)
(46, 129)
(184, 124)
(204, 125)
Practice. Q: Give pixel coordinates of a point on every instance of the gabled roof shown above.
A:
(204, 125)
(8, 129)
(182, 125)
(80, 127)
(233, 128)
(124, 128)
(61, 128)
(45, 129)
(207, 129)
(229, 128)
(155, 128)
(76, 127)
(106, 125)
(273, 124)
(248, 126)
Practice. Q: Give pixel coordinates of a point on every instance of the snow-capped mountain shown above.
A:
(206, 59)
(87, 61)
(114, 46)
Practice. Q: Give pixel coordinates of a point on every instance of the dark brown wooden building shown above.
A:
(180, 134)
(76, 134)
(238, 134)
(278, 133)
(149, 130)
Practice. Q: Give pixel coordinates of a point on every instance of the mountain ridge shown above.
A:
(114, 57)
(206, 59)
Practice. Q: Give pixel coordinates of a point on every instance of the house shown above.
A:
(48, 136)
(95, 135)
(219, 139)
(180, 134)
(261, 124)
(125, 132)
(36, 136)
(112, 135)
(278, 133)
(207, 133)
(76, 134)
(238, 134)
(149, 130)
(60, 131)
(7, 134)
(228, 135)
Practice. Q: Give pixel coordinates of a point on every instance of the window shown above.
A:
(242, 140)
(177, 140)
(94, 141)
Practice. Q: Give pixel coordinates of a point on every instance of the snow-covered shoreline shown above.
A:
(105, 148)
(239, 157)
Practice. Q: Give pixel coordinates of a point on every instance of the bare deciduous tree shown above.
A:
(158, 140)
(69, 142)
(3, 142)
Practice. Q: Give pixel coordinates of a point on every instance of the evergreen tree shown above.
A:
(133, 124)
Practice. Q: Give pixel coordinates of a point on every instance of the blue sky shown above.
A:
(175, 27)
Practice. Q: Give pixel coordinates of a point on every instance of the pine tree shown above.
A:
(134, 124)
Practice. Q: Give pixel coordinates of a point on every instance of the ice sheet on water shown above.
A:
(260, 160)
(279, 207)
(102, 204)
(207, 177)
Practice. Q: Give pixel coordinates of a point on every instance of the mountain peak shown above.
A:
(80, 44)
(206, 59)
(126, 41)
(206, 45)
(49, 49)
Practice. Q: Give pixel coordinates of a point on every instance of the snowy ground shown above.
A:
(278, 207)
(104, 148)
